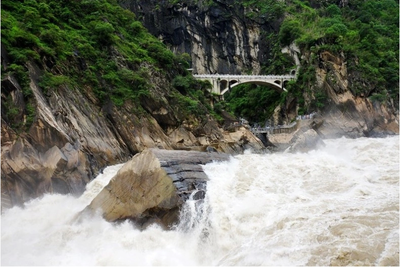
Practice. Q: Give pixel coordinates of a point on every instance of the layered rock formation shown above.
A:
(153, 185)
(72, 137)
(218, 37)
(222, 38)
(349, 114)
(302, 137)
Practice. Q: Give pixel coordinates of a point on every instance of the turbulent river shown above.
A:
(338, 205)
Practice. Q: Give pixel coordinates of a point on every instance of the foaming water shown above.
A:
(335, 206)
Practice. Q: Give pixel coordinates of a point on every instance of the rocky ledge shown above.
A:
(153, 185)
(302, 137)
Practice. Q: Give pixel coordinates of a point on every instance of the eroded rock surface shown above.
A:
(153, 185)
(306, 141)
(220, 37)
(303, 137)
(349, 113)
(72, 137)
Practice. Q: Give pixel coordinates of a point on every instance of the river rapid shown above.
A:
(338, 205)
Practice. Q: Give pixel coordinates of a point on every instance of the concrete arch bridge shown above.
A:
(221, 83)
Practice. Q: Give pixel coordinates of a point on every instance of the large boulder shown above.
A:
(153, 185)
(306, 141)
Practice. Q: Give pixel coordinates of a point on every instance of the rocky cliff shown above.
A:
(230, 37)
(220, 37)
(72, 138)
(153, 185)
(102, 90)
(346, 113)
(66, 116)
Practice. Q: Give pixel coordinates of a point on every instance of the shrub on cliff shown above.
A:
(84, 44)
(366, 32)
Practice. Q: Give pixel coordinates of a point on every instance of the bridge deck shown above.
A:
(252, 77)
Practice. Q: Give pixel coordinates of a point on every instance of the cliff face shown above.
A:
(218, 37)
(222, 38)
(70, 134)
(73, 137)
(71, 106)
(347, 114)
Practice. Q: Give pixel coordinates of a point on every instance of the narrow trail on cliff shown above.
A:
(334, 206)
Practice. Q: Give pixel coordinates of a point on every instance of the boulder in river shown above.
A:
(306, 141)
(153, 185)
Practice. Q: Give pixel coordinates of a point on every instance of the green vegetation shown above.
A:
(254, 102)
(278, 63)
(97, 44)
(366, 32)
(193, 96)
(268, 10)
(85, 32)
(85, 44)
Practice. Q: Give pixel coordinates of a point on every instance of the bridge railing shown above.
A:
(228, 76)
(306, 117)
(282, 128)
(274, 129)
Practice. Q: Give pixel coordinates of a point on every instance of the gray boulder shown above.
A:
(306, 141)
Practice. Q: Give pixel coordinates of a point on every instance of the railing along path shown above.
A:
(282, 128)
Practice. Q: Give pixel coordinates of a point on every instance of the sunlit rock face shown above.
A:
(153, 185)
(72, 136)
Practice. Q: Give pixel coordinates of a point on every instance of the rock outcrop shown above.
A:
(348, 113)
(222, 38)
(68, 134)
(345, 112)
(72, 136)
(306, 141)
(153, 185)
(219, 37)
(302, 137)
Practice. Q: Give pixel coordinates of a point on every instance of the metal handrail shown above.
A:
(270, 129)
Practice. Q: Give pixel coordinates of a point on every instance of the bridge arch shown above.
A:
(275, 85)
(221, 83)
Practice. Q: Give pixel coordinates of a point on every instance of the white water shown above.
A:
(335, 206)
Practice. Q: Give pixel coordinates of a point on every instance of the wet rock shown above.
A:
(199, 195)
(307, 141)
(210, 149)
(89, 137)
(303, 137)
(153, 185)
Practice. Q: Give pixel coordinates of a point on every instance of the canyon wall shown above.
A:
(72, 137)
(222, 38)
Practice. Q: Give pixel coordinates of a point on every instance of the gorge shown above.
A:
(114, 153)
(85, 85)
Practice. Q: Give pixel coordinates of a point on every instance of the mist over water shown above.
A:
(335, 206)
